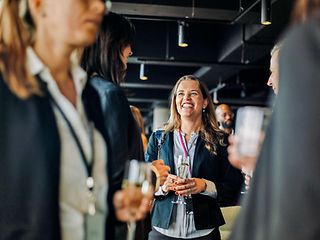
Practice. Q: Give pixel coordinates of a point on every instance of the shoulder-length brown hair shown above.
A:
(104, 56)
(209, 130)
(16, 32)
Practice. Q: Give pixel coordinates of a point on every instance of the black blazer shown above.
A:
(122, 135)
(215, 168)
(30, 164)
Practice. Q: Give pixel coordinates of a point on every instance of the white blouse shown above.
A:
(73, 174)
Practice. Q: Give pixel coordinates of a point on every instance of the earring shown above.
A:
(203, 109)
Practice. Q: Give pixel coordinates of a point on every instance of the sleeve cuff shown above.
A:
(160, 192)
(156, 183)
(211, 189)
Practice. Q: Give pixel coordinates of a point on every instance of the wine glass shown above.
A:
(249, 133)
(136, 184)
(182, 172)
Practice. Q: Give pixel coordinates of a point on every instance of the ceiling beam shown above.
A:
(146, 86)
(165, 11)
(147, 100)
(161, 62)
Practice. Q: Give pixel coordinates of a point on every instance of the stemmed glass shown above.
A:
(136, 184)
(182, 172)
(250, 123)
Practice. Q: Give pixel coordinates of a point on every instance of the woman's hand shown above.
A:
(238, 161)
(189, 186)
(169, 183)
(162, 170)
(122, 211)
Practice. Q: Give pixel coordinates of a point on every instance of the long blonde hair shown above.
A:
(16, 32)
(209, 130)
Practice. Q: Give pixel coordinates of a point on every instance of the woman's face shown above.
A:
(72, 22)
(189, 99)
(125, 54)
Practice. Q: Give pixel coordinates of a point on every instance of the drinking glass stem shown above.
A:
(131, 230)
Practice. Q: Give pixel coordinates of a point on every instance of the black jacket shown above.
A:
(215, 168)
(122, 135)
(30, 164)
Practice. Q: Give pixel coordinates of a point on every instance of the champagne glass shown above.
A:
(136, 184)
(182, 172)
(249, 133)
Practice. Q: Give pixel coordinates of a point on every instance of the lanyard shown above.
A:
(185, 150)
(88, 165)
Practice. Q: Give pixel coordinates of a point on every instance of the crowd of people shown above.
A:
(67, 131)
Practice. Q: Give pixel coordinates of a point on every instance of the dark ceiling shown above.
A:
(228, 48)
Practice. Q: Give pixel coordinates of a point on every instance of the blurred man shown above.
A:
(273, 80)
(224, 117)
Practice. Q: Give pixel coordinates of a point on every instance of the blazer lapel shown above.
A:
(168, 151)
(198, 157)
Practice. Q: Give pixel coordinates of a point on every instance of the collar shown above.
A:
(37, 67)
(193, 134)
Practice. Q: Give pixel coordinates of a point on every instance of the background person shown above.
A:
(241, 162)
(280, 162)
(225, 118)
(302, 10)
(139, 119)
(273, 80)
(106, 63)
(279, 175)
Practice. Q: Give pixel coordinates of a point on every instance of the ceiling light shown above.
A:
(182, 34)
(215, 97)
(108, 5)
(142, 75)
(265, 12)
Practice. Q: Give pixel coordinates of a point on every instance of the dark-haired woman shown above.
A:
(192, 132)
(106, 64)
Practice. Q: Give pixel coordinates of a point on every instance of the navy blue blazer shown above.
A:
(215, 168)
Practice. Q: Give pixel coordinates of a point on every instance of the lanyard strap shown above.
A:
(85, 161)
(186, 152)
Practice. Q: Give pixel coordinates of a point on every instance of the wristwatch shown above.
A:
(205, 186)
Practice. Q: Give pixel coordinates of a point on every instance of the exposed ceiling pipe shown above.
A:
(162, 62)
(244, 12)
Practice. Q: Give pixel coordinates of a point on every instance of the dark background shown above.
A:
(221, 51)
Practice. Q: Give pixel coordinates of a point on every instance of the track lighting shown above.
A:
(182, 34)
(266, 12)
(142, 75)
(108, 5)
(215, 97)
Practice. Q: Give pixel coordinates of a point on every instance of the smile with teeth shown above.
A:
(187, 105)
